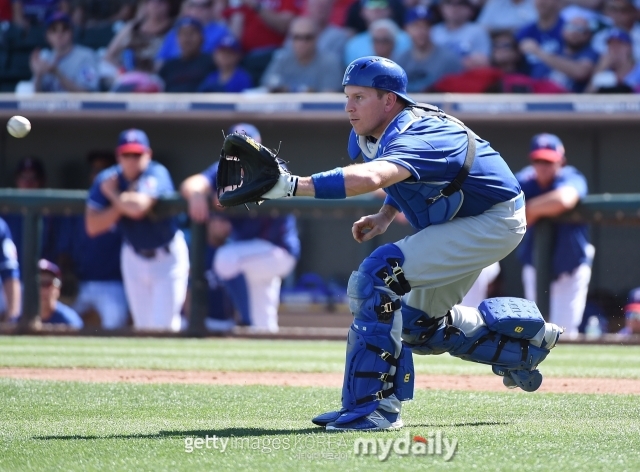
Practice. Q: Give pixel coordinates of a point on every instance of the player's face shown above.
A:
(366, 110)
(545, 171)
(49, 286)
(59, 36)
(190, 40)
(133, 163)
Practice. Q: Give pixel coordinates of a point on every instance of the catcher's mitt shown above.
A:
(247, 170)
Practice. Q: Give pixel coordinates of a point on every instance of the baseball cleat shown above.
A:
(325, 418)
(378, 420)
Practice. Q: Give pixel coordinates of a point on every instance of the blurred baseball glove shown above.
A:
(248, 172)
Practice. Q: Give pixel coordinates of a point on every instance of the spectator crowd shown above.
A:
(474, 46)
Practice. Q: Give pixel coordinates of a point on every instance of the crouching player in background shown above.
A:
(257, 254)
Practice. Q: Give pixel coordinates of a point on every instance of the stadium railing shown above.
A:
(34, 204)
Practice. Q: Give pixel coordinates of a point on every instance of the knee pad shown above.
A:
(385, 266)
(417, 327)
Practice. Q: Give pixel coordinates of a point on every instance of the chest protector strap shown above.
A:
(425, 109)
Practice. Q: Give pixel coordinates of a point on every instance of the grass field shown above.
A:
(118, 426)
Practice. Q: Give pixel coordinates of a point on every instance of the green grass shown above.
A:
(121, 426)
(283, 356)
(76, 426)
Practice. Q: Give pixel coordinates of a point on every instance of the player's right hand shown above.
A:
(370, 226)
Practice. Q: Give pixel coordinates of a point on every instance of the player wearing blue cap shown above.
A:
(258, 253)
(52, 311)
(154, 256)
(11, 294)
(551, 188)
(468, 210)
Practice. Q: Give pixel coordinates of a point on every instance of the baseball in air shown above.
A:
(18, 126)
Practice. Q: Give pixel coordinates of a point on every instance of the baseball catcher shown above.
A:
(468, 211)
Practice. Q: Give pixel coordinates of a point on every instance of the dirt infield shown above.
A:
(486, 383)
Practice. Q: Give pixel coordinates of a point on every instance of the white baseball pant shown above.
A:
(107, 298)
(156, 288)
(263, 265)
(567, 295)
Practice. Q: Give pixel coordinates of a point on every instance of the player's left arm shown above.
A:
(552, 203)
(13, 296)
(360, 178)
(129, 203)
(135, 205)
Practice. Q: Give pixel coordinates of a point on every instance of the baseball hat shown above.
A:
(619, 35)
(546, 147)
(133, 140)
(33, 164)
(58, 17)
(248, 129)
(421, 12)
(229, 41)
(188, 21)
(48, 266)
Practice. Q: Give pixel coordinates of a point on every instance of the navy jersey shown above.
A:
(66, 315)
(433, 150)
(94, 259)
(146, 233)
(571, 240)
(550, 41)
(9, 268)
(281, 231)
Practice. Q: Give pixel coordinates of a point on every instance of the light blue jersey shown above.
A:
(433, 149)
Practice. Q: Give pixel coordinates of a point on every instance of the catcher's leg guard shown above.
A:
(464, 333)
(373, 346)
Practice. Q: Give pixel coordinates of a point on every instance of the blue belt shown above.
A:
(519, 202)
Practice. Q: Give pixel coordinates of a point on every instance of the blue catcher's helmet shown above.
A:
(380, 73)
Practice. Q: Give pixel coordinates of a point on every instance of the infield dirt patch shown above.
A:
(486, 383)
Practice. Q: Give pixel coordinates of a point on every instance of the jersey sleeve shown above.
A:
(155, 182)
(571, 177)
(8, 255)
(211, 173)
(96, 199)
(391, 202)
(525, 175)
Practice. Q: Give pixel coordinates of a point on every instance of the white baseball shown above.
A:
(18, 126)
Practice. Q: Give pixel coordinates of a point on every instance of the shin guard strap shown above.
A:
(379, 395)
(384, 377)
(384, 355)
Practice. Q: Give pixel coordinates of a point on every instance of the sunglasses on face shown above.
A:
(303, 37)
(200, 4)
(576, 28)
(504, 45)
(382, 39)
(48, 283)
(131, 155)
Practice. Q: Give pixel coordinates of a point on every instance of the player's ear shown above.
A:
(390, 101)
